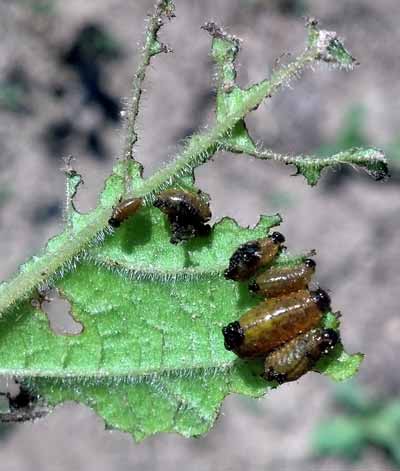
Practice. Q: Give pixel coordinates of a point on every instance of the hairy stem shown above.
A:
(199, 149)
(51, 260)
(350, 156)
(154, 25)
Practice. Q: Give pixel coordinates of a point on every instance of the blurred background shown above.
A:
(65, 71)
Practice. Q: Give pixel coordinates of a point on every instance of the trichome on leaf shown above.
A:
(151, 356)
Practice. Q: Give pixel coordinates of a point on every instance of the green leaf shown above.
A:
(339, 365)
(341, 436)
(329, 46)
(371, 160)
(151, 356)
(367, 423)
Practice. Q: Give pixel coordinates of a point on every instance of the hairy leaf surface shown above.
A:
(151, 356)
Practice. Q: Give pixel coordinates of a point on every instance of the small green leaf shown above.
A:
(239, 139)
(329, 47)
(341, 436)
(368, 423)
(339, 365)
(371, 160)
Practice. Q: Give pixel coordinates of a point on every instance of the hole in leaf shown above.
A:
(58, 312)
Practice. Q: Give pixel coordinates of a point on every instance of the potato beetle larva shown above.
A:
(187, 213)
(295, 358)
(124, 210)
(275, 321)
(282, 280)
(252, 255)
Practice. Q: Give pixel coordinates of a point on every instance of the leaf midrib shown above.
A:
(134, 376)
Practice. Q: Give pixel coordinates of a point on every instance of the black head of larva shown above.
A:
(330, 338)
(114, 222)
(310, 263)
(253, 287)
(322, 299)
(242, 260)
(158, 203)
(277, 238)
(233, 335)
(271, 375)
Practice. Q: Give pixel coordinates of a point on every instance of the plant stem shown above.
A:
(350, 156)
(154, 25)
(57, 253)
(200, 148)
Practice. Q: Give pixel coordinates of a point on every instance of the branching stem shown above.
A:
(150, 48)
(344, 157)
(66, 247)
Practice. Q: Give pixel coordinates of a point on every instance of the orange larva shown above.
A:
(282, 280)
(124, 210)
(297, 357)
(187, 213)
(274, 322)
(251, 256)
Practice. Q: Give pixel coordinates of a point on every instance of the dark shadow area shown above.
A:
(58, 136)
(87, 55)
(246, 298)
(291, 7)
(250, 371)
(96, 145)
(202, 104)
(15, 91)
(199, 242)
(92, 47)
(135, 231)
(334, 179)
(44, 213)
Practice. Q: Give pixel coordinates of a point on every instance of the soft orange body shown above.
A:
(276, 321)
(297, 357)
(187, 213)
(282, 280)
(251, 256)
(174, 201)
(124, 210)
(268, 251)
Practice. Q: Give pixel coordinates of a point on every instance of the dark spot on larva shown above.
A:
(322, 299)
(242, 260)
(310, 263)
(233, 335)
(277, 238)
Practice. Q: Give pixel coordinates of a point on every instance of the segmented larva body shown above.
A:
(283, 280)
(124, 210)
(297, 357)
(274, 322)
(187, 213)
(251, 256)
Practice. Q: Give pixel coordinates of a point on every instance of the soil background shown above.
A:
(64, 103)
